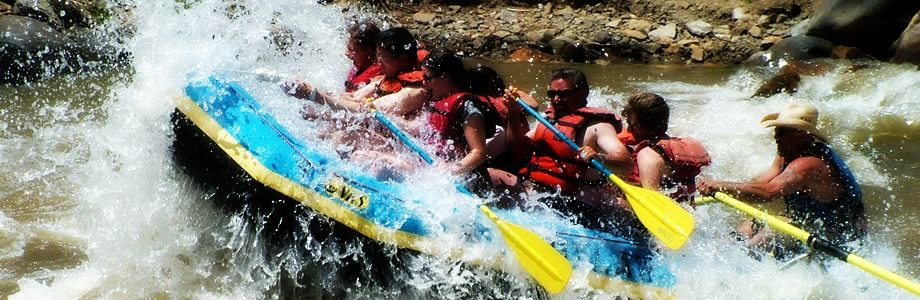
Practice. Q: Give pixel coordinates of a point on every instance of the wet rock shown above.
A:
(548, 9)
(664, 32)
(560, 42)
(634, 34)
(907, 47)
(673, 48)
(501, 34)
(871, 25)
(802, 48)
(566, 13)
(697, 53)
(424, 18)
(530, 55)
(5, 9)
(847, 52)
(507, 16)
(31, 49)
(614, 23)
(639, 25)
(541, 36)
(40, 10)
(722, 32)
(769, 41)
(782, 82)
(699, 28)
(738, 14)
(601, 37)
(756, 32)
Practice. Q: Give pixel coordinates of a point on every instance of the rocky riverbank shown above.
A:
(666, 31)
(721, 32)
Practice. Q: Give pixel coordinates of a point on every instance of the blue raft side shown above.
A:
(241, 116)
(272, 145)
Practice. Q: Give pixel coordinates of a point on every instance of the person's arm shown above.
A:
(474, 133)
(518, 136)
(402, 103)
(772, 172)
(652, 168)
(794, 177)
(612, 153)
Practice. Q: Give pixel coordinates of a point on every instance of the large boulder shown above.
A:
(60, 14)
(907, 48)
(794, 48)
(30, 49)
(871, 25)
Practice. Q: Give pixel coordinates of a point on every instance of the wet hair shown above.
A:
(485, 81)
(398, 41)
(442, 61)
(364, 33)
(576, 77)
(651, 111)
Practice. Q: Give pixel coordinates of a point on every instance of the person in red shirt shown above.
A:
(361, 48)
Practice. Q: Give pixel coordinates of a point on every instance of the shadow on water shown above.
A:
(320, 258)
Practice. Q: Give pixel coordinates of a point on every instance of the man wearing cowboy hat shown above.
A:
(820, 191)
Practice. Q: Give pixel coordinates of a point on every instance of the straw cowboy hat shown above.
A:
(798, 116)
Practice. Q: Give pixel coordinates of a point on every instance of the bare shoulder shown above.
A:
(807, 163)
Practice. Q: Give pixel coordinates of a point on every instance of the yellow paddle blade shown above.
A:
(538, 257)
(664, 218)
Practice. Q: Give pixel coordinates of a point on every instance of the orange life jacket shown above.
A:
(445, 119)
(393, 84)
(554, 163)
(359, 80)
(685, 156)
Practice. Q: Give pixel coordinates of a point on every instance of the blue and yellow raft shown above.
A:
(236, 122)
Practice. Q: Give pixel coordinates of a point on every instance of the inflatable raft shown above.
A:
(235, 121)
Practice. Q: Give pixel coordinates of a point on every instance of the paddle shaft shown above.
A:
(597, 164)
(819, 243)
(660, 214)
(503, 226)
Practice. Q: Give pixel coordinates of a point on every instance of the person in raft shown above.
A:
(662, 162)
(361, 48)
(821, 194)
(486, 82)
(456, 123)
(577, 188)
(397, 90)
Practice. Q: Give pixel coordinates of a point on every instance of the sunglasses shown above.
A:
(429, 77)
(561, 93)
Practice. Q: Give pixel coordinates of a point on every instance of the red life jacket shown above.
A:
(554, 163)
(627, 138)
(393, 84)
(685, 156)
(501, 110)
(359, 80)
(445, 118)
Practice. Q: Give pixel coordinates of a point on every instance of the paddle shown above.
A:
(818, 243)
(539, 258)
(663, 217)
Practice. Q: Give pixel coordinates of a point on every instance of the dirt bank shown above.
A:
(670, 31)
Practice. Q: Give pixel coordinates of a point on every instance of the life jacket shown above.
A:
(393, 84)
(359, 80)
(626, 137)
(685, 156)
(554, 163)
(500, 109)
(445, 118)
(840, 221)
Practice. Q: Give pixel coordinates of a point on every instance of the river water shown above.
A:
(93, 205)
